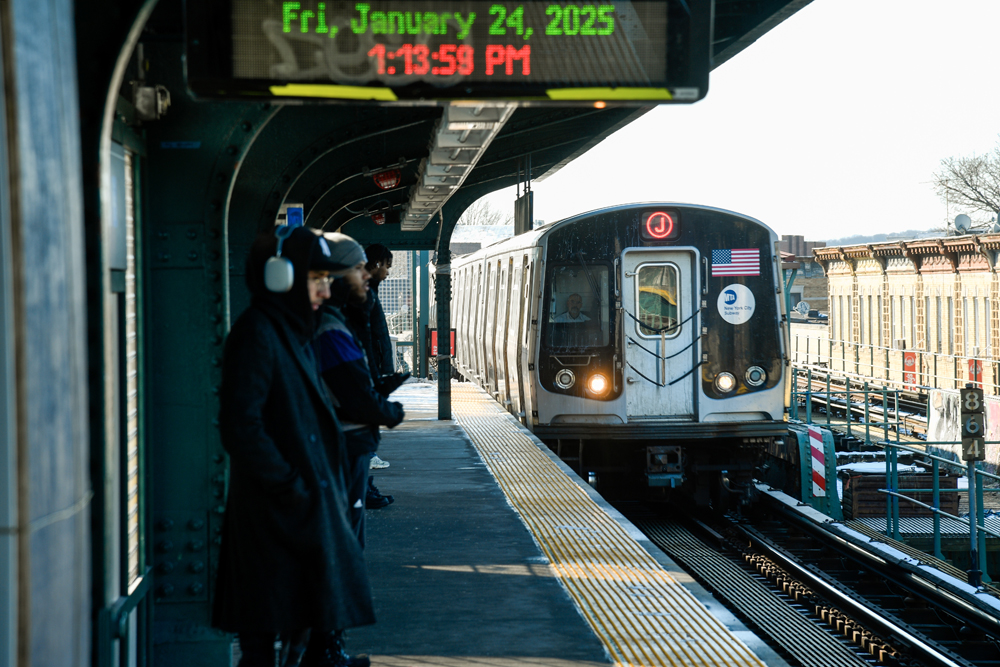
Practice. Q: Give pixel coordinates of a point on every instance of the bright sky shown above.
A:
(831, 124)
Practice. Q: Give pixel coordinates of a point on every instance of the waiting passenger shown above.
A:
(380, 360)
(574, 304)
(344, 367)
(368, 322)
(343, 364)
(290, 562)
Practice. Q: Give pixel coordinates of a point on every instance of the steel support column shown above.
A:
(420, 328)
(442, 295)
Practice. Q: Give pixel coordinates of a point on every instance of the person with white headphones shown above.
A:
(290, 563)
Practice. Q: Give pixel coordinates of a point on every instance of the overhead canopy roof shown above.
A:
(323, 156)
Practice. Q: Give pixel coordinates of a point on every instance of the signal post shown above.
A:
(973, 449)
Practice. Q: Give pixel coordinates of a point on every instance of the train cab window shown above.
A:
(657, 298)
(577, 313)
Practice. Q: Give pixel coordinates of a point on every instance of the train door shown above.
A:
(515, 321)
(490, 381)
(529, 335)
(463, 338)
(461, 288)
(467, 319)
(484, 274)
(659, 292)
(504, 334)
(475, 354)
(499, 334)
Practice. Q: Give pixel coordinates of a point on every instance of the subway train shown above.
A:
(644, 343)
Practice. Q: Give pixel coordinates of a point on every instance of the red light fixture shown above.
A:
(387, 179)
(378, 218)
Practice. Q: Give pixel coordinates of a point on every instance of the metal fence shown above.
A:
(396, 293)
(838, 391)
(927, 370)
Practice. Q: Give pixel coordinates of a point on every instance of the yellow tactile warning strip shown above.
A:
(642, 615)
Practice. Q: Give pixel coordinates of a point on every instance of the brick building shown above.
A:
(935, 296)
(798, 246)
(810, 282)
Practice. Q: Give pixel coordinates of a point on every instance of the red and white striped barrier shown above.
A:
(818, 462)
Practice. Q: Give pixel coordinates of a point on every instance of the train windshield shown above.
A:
(578, 308)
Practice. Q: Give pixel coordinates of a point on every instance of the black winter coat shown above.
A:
(289, 558)
(343, 366)
(382, 363)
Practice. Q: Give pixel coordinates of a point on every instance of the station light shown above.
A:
(388, 179)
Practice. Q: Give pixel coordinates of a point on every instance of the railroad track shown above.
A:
(909, 414)
(824, 597)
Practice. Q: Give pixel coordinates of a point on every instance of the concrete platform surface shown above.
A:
(458, 580)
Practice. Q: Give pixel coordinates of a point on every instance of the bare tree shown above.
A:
(484, 214)
(971, 183)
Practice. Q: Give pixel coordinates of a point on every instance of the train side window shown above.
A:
(657, 297)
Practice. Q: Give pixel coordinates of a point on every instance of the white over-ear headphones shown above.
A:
(279, 274)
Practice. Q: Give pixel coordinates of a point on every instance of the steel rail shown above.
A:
(954, 597)
(893, 632)
(903, 572)
(796, 634)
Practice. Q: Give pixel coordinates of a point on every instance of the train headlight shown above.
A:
(725, 382)
(597, 384)
(755, 376)
(565, 379)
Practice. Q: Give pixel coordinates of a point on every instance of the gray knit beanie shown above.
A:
(336, 253)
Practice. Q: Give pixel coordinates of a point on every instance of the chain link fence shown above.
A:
(396, 293)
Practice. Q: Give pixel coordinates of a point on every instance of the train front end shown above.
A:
(661, 347)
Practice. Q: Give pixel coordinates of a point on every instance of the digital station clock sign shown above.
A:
(643, 51)
(659, 226)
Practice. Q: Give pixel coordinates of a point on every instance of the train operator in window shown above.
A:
(574, 313)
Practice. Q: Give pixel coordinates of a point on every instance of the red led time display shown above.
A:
(449, 59)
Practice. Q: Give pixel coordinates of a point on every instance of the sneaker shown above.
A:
(375, 500)
(376, 463)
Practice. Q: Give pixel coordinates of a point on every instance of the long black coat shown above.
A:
(289, 558)
(383, 363)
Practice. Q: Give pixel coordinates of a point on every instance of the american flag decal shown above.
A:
(741, 262)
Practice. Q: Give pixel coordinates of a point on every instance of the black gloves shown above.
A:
(397, 413)
(390, 383)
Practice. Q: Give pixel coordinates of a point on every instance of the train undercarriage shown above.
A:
(712, 473)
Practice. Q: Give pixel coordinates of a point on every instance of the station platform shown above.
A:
(496, 554)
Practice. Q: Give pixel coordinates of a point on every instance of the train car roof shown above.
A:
(533, 238)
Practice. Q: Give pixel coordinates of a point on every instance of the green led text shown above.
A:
(409, 23)
(292, 11)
